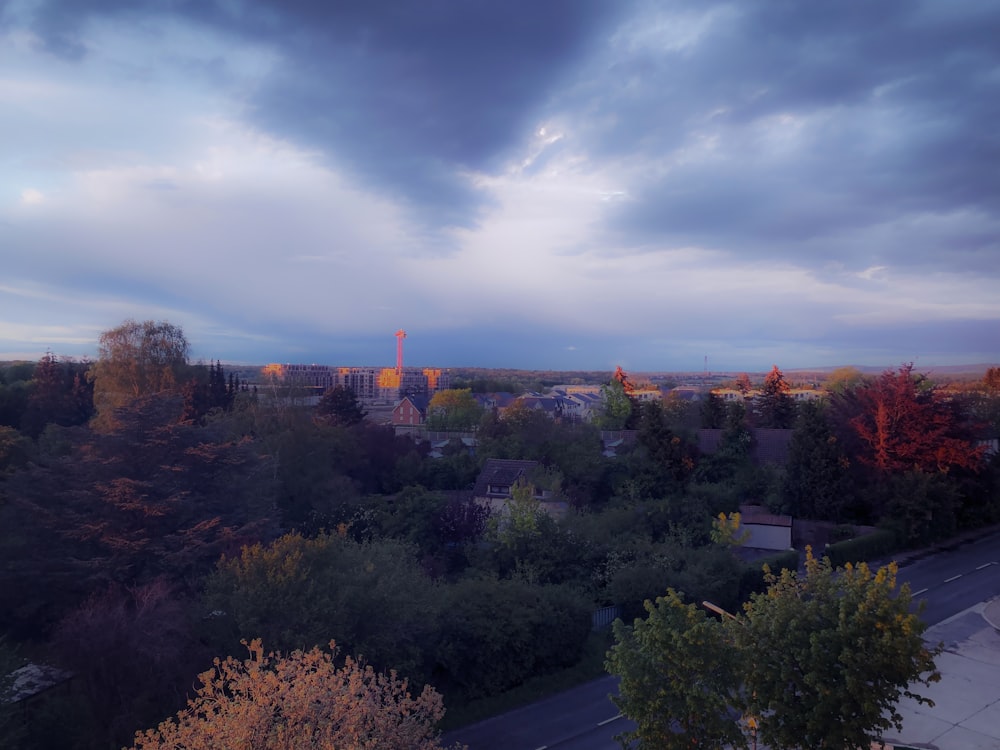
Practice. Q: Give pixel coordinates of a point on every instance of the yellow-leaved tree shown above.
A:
(302, 700)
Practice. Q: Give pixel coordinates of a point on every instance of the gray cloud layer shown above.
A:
(855, 142)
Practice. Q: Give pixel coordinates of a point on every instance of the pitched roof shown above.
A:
(501, 471)
(757, 514)
(771, 446)
(419, 402)
(545, 403)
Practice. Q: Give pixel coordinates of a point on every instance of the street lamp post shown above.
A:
(751, 721)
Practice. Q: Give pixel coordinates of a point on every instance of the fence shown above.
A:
(603, 617)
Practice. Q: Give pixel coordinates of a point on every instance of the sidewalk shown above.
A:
(966, 711)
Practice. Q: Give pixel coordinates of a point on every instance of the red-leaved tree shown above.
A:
(905, 425)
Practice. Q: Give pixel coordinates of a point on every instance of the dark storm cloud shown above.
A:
(406, 95)
(892, 113)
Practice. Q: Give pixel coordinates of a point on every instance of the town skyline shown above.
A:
(574, 186)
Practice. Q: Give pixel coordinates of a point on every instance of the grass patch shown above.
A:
(590, 667)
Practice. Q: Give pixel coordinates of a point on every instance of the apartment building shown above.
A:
(370, 384)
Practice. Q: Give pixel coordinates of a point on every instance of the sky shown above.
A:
(557, 184)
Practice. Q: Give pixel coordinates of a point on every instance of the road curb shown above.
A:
(991, 613)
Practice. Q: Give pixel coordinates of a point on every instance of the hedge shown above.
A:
(876, 544)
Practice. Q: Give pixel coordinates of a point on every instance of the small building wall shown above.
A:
(763, 536)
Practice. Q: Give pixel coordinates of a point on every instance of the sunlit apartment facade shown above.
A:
(370, 384)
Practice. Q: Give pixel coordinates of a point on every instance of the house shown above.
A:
(551, 405)
(496, 482)
(410, 411)
(498, 402)
(685, 393)
(580, 405)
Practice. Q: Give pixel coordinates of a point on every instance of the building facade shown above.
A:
(370, 384)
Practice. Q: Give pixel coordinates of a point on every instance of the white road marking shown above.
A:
(985, 565)
(608, 721)
(953, 578)
(918, 593)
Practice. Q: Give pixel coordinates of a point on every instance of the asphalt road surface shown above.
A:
(584, 718)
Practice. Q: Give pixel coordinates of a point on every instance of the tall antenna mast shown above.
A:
(400, 335)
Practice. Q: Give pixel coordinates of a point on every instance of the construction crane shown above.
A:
(400, 335)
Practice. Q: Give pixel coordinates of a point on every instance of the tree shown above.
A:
(621, 376)
(618, 407)
(992, 379)
(508, 631)
(679, 679)
(149, 498)
(726, 530)
(340, 406)
(131, 652)
(713, 412)
(743, 384)
(904, 424)
(815, 483)
(671, 455)
(60, 395)
(842, 644)
(843, 379)
(819, 660)
(15, 449)
(275, 702)
(299, 593)
(137, 359)
(774, 407)
(454, 409)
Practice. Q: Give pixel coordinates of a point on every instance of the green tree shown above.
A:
(616, 412)
(713, 412)
(454, 409)
(726, 530)
(304, 699)
(15, 391)
(668, 452)
(137, 359)
(680, 679)
(508, 631)
(15, 449)
(60, 395)
(732, 456)
(299, 593)
(829, 653)
(815, 483)
(819, 660)
(340, 406)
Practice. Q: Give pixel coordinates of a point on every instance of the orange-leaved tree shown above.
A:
(275, 702)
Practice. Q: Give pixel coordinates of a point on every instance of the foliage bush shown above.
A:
(298, 593)
(876, 544)
(503, 632)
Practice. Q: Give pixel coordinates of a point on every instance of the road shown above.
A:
(955, 579)
(584, 718)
